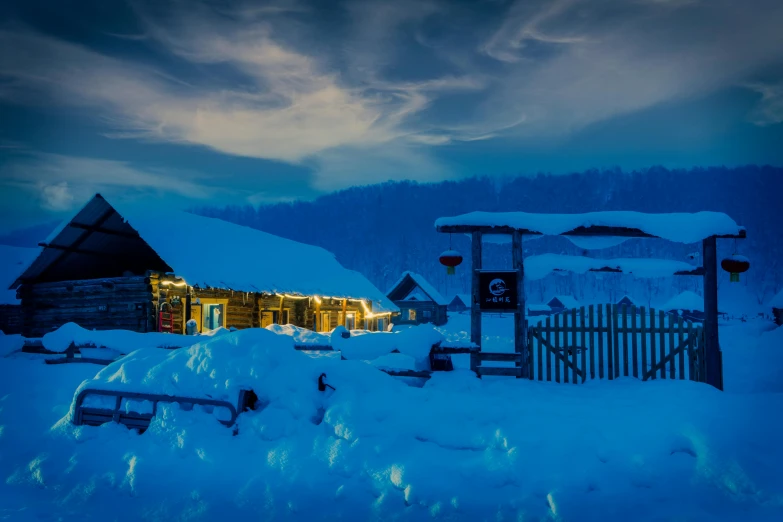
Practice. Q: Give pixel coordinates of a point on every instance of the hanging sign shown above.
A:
(498, 291)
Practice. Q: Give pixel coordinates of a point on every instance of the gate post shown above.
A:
(475, 312)
(713, 367)
(520, 325)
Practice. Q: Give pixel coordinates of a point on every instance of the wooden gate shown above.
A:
(610, 341)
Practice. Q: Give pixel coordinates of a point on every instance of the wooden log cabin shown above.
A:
(419, 302)
(155, 269)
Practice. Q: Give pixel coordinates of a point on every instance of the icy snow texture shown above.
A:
(13, 261)
(538, 267)
(300, 335)
(459, 448)
(678, 227)
(425, 286)
(686, 300)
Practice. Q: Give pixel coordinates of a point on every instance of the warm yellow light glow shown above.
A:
(174, 283)
(317, 299)
(290, 296)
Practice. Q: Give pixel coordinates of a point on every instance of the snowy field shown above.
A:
(458, 448)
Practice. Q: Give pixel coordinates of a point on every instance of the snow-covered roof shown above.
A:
(13, 261)
(423, 284)
(539, 308)
(627, 298)
(464, 298)
(678, 227)
(209, 252)
(568, 301)
(417, 295)
(538, 267)
(686, 300)
(777, 301)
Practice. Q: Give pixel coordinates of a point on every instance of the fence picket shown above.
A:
(671, 346)
(564, 347)
(653, 355)
(625, 340)
(600, 342)
(662, 340)
(548, 353)
(573, 348)
(643, 319)
(584, 343)
(615, 344)
(557, 347)
(591, 319)
(634, 354)
(681, 338)
(540, 361)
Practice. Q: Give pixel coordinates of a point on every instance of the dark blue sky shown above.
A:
(193, 103)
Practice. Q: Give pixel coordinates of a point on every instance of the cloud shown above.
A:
(769, 110)
(61, 182)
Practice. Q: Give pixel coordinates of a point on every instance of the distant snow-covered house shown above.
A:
(777, 308)
(628, 301)
(560, 303)
(154, 269)
(13, 261)
(460, 303)
(418, 301)
(538, 309)
(687, 304)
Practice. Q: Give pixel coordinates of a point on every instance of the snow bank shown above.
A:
(752, 357)
(686, 300)
(13, 261)
(538, 267)
(458, 448)
(10, 343)
(300, 335)
(415, 342)
(777, 301)
(678, 227)
(124, 341)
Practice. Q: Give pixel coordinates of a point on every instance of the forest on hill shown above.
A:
(382, 230)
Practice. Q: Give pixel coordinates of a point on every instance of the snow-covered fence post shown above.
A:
(713, 366)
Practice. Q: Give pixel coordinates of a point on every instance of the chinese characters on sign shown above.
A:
(498, 291)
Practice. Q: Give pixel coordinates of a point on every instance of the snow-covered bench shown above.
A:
(94, 407)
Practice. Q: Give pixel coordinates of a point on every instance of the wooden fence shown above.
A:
(610, 341)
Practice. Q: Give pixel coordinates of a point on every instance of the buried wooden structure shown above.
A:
(703, 342)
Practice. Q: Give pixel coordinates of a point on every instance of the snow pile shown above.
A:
(678, 227)
(686, 300)
(10, 343)
(752, 357)
(13, 261)
(458, 448)
(538, 267)
(777, 301)
(301, 336)
(123, 341)
(414, 342)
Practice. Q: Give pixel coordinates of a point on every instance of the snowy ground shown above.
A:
(459, 448)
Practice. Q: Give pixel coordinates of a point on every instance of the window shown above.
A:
(350, 320)
(411, 314)
(426, 315)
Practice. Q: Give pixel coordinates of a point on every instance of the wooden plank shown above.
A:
(610, 361)
(496, 370)
(662, 341)
(666, 360)
(520, 326)
(585, 347)
(616, 340)
(559, 356)
(591, 319)
(653, 354)
(573, 347)
(713, 368)
(475, 313)
(691, 353)
(624, 311)
(600, 342)
(672, 322)
(643, 335)
(548, 353)
(681, 336)
(539, 354)
(634, 347)
(421, 374)
(557, 348)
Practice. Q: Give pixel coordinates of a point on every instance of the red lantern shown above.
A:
(450, 259)
(735, 264)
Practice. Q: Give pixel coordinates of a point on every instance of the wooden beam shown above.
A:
(520, 326)
(714, 370)
(345, 310)
(697, 271)
(475, 313)
(108, 231)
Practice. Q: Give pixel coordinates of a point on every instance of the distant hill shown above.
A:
(30, 236)
(382, 230)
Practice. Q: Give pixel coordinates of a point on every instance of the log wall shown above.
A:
(102, 304)
(11, 319)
